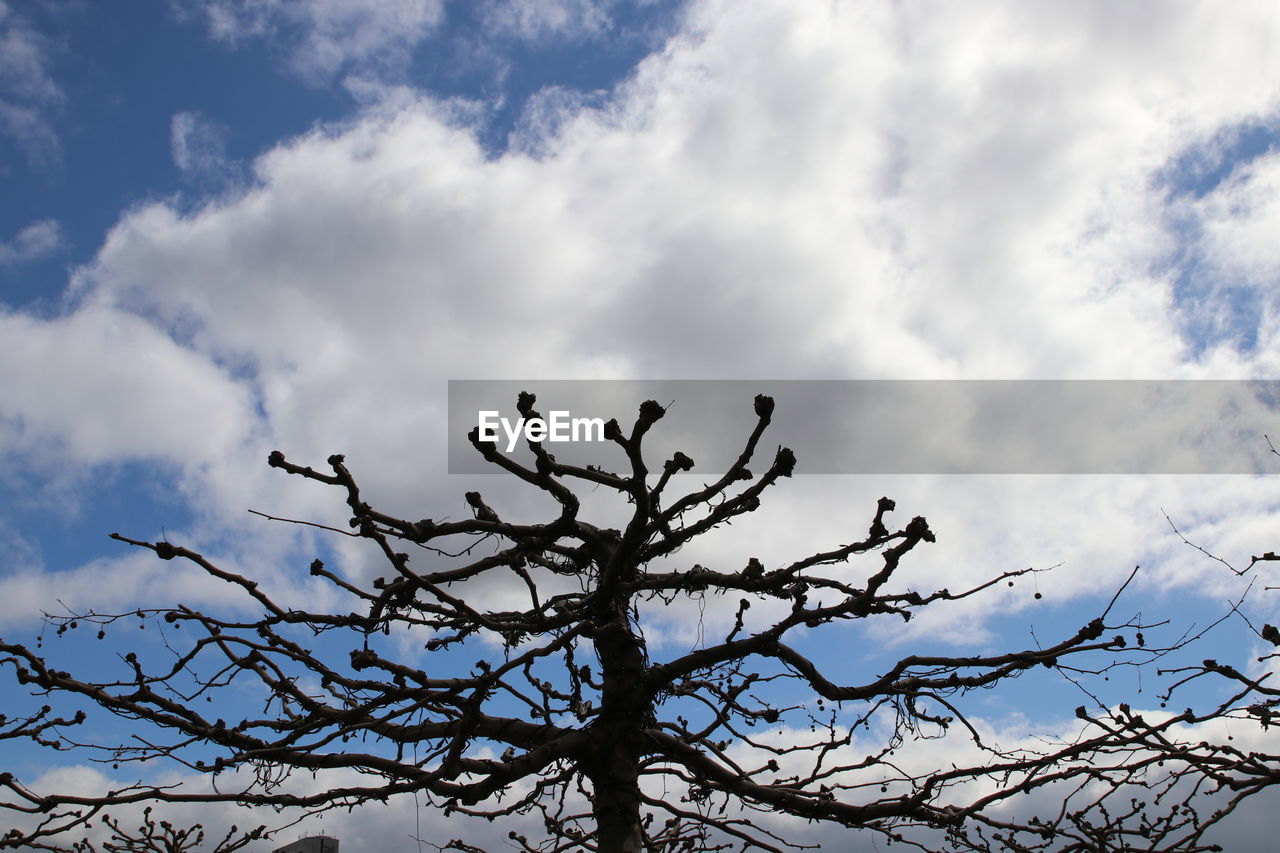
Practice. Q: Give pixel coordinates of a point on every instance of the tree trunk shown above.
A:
(614, 770)
(615, 802)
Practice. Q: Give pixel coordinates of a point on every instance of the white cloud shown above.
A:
(114, 387)
(1240, 262)
(198, 145)
(327, 37)
(546, 114)
(29, 96)
(542, 21)
(855, 192)
(24, 61)
(37, 240)
(1241, 217)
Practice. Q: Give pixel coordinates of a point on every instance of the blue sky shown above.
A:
(232, 226)
(104, 85)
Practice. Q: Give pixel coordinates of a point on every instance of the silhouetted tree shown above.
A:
(568, 713)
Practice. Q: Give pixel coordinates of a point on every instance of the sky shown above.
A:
(235, 226)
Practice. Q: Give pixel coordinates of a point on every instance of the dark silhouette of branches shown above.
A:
(557, 708)
(154, 836)
(1233, 770)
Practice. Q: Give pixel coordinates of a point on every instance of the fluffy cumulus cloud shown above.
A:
(960, 194)
(96, 389)
(857, 190)
(29, 96)
(326, 37)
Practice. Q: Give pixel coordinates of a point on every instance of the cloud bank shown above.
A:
(851, 192)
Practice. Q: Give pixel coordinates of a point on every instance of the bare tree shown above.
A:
(569, 716)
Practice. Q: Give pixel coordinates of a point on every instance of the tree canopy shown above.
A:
(570, 716)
